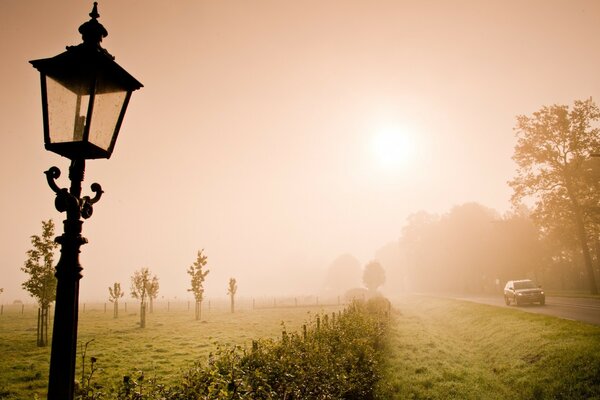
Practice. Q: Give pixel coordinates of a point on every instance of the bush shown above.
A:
(335, 356)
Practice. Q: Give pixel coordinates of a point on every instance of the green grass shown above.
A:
(170, 343)
(438, 349)
(447, 349)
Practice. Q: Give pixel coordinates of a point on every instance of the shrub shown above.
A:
(335, 356)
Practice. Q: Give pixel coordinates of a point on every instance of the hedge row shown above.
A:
(334, 356)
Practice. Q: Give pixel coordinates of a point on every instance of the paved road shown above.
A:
(577, 309)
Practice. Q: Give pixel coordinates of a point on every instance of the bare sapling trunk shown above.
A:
(142, 314)
(42, 326)
(198, 310)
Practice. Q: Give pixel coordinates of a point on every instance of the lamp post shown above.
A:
(84, 97)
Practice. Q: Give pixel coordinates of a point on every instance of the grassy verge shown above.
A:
(447, 349)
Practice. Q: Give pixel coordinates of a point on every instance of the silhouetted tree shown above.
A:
(373, 276)
(197, 274)
(140, 284)
(231, 290)
(344, 273)
(553, 146)
(115, 293)
(42, 282)
(153, 287)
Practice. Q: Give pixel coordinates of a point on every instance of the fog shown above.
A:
(281, 137)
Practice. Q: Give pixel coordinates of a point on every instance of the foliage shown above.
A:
(333, 357)
(42, 282)
(40, 266)
(343, 273)
(141, 287)
(198, 275)
(553, 148)
(153, 287)
(472, 249)
(231, 291)
(115, 293)
(139, 284)
(171, 344)
(373, 275)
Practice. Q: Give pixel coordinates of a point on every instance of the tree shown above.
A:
(198, 275)
(552, 150)
(231, 290)
(141, 283)
(42, 282)
(373, 276)
(153, 287)
(115, 293)
(344, 273)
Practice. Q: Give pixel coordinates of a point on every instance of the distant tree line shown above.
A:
(552, 233)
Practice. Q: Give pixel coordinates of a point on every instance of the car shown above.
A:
(523, 291)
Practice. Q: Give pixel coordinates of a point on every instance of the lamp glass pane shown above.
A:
(66, 112)
(107, 109)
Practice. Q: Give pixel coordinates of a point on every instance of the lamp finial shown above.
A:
(92, 32)
(94, 14)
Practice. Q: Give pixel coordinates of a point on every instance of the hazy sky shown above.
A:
(278, 135)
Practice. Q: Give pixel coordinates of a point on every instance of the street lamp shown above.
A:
(84, 97)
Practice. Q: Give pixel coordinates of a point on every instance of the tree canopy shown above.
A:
(40, 266)
(373, 275)
(553, 149)
(198, 275)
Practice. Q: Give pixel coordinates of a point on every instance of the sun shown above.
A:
(393, 148)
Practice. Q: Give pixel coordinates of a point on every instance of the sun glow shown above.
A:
(393, 148)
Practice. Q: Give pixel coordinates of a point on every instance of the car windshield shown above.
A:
(525, 285)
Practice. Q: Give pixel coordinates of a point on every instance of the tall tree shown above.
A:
(42, 282)
(343, 274)
(140, 285)
(231, 290)
(552, 150)
(198, 275)
(115, 293)
(373, 276)
(153, 287)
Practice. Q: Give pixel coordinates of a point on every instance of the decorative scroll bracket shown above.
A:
(69, 202)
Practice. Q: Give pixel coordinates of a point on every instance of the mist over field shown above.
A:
(296, 143)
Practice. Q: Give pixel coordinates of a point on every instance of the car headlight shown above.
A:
(519, 294)
(541, 292)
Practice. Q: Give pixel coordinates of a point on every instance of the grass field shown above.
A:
(448, 349)
(170, 343)
(438, 348)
